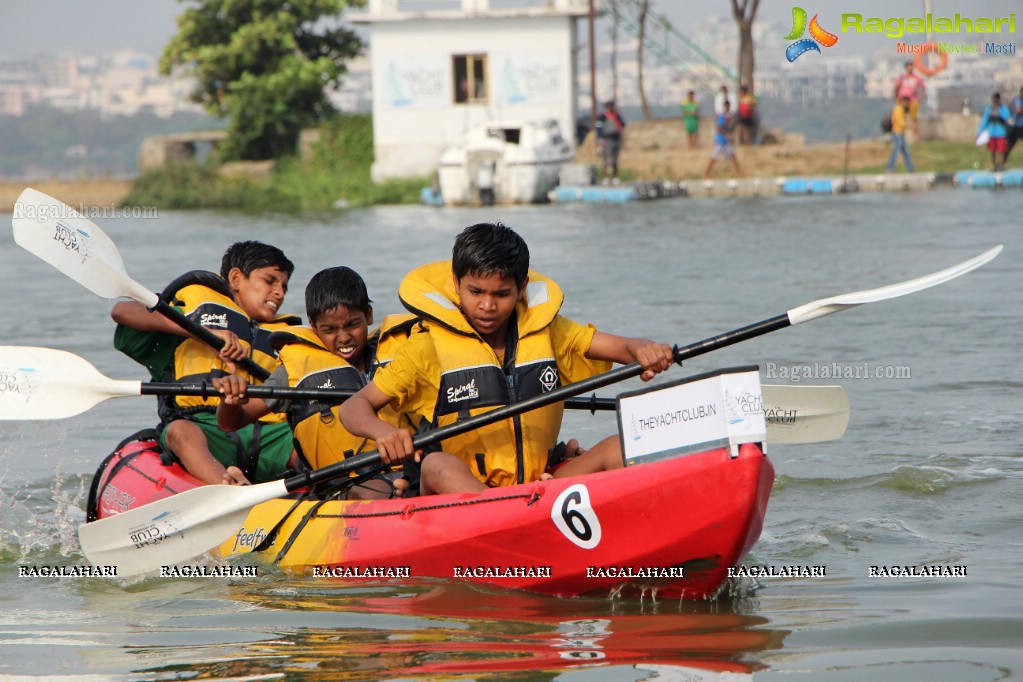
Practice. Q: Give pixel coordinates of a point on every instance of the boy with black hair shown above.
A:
(493, 336)
(338, 352)
(240, 306)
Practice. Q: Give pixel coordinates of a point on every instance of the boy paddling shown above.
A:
(338, 352)
(240, 306)
(493, 336)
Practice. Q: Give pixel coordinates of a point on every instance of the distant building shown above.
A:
(440, 67)
(119, 83)
(814, 81)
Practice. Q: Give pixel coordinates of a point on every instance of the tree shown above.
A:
(264, 64)
(744, 11)
(615, 21)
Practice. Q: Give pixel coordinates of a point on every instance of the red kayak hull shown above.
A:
(670, 529)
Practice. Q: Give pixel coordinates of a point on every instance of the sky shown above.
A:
(31, 27)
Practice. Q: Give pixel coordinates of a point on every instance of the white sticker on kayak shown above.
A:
(575, 518)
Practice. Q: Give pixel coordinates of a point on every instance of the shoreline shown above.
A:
(654, 155)
(105, 193)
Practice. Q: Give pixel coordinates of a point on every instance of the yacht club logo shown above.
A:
(9, 382)
(73, 239)
(818, 36)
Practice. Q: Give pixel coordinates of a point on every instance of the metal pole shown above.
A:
(593, 75)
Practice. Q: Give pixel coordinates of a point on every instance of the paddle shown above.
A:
(44, 383)
(74, 245)
(187, 524)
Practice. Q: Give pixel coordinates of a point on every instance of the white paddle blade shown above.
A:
(805, 414)
(73, 244)
(826, 306)
(43, 383)
(172, 530)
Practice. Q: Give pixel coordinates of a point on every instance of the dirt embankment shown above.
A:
(104, 193)
(658, 150)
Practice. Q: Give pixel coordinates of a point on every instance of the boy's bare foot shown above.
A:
(234, 476)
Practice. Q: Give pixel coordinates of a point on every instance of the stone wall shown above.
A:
(951, 127)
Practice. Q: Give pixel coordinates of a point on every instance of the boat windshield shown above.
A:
(510, 135)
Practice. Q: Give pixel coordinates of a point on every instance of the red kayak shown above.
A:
(669, 528)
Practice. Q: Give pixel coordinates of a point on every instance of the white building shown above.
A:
(440, 67)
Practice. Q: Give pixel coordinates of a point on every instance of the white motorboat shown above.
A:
(516, 162)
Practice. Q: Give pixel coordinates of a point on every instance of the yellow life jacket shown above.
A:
(206, 299)
(319, 435)
(473, 380)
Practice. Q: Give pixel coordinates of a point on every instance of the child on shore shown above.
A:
(493, 336)
(338, 352)
(723, 147)
(691, 118)
(240, 306)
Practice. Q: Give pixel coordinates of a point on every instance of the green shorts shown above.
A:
(274, 447)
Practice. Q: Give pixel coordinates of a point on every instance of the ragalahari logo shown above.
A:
(818, 36)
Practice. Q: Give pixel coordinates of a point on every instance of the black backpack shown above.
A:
(886, 124)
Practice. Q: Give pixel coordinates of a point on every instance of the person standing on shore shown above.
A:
(747, 116)
(723, 148)
(610, 131)
(691, 118)
(911, 86)
(1016, 130)
(900, 118)
(720, 99)
(995, 122)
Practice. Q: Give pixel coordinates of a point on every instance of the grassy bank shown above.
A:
(944, 157)
(338, 167)
(935, 156)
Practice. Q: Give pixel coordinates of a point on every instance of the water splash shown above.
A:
(40, 526)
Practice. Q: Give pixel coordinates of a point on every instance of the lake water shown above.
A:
(929, 472)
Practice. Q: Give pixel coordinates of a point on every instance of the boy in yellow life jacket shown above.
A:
(240, 306)
(338, 352)
(493, 336)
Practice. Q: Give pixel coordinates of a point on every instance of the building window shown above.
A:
(470, 78)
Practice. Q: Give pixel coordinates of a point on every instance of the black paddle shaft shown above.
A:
(559, 394)
(206, 390)
(206, 336)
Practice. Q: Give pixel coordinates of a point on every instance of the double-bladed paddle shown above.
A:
(77, 247)
(185, 525)
(45, 383)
